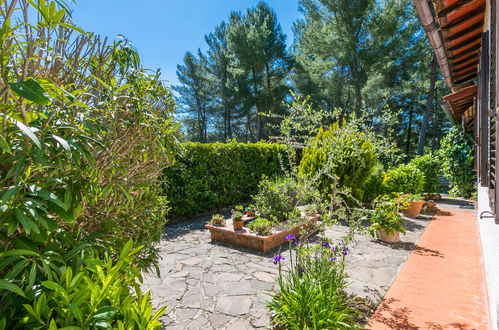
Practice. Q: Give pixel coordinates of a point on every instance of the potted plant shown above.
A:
(237, 220)
(312, 210)
(386, 221)
(261, 226)
(217, 220)
(250, 210)
(411, 205)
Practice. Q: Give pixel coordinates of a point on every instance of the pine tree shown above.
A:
(194, 97)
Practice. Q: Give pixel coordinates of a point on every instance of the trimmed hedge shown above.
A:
(213, 175)
(406, 178)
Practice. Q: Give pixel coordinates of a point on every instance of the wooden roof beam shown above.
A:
(456, 6)
(464, 18)
(466, 42)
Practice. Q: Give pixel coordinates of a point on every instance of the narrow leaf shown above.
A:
(30, 90)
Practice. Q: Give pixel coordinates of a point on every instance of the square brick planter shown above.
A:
(248, 239)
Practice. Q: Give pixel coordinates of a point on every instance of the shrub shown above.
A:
(456, 151)
(83, 139)
(431, 167)
(273, 200)
(342, 154)
(311, 295)
(96, 293)
(406, 178)
(374, 187)
(261, 226)
(208, 176)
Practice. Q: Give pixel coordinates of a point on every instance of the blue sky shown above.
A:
(163, 30)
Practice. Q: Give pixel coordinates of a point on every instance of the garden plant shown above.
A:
(85, 135)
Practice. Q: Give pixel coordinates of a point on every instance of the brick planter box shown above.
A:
(248, 239)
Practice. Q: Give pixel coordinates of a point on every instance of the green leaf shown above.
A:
(30, 90)
(18, 252)
(63, 143)
(6, 285)
(49, 196)
(105, 313)
(10, 192)
(76, 311)
(27, 223)
(4, 145)
(52, 286)
(24, 129)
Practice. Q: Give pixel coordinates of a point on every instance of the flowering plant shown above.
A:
(315, 270)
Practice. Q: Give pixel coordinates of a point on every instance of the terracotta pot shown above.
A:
(238, 224)
(250, 213)
(314, 217)
(414, 209)
(392, 238)
(218, 222)
(435, 197)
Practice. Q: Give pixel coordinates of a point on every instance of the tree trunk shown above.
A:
(259, 122)
(227, 112)
(250, 131)
(429, 102)
(409, 132)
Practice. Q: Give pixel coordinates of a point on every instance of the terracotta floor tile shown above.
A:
(442, 284)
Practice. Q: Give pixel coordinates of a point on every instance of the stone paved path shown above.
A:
(215, 286)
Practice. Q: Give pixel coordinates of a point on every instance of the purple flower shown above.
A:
(326, 245)
(290, 237)
(332, 259)
(278, 258)
(333, 249)
(345, 251)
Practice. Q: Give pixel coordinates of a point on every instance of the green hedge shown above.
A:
(207, 176)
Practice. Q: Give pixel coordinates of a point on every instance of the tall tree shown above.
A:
(193, 94)
(221, 77)
(260, 60)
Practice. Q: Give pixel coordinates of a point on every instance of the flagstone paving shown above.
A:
(211, 285)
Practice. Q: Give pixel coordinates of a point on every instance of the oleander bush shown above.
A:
(208, 176)
(456, 153)
(340, 155)
(406, 178)
(431, 166)
(85, 133)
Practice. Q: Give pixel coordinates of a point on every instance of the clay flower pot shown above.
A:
(250, 213)
(238, 224)
(435, 197)
(218, 222)
(414, 209)
(389, 238)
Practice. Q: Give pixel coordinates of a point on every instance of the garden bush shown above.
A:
(431, 167)
(456, 152)
(406, 178)
(340, 154)
(374, 187)
(275, 198)
(85, 133)
(213, 175)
